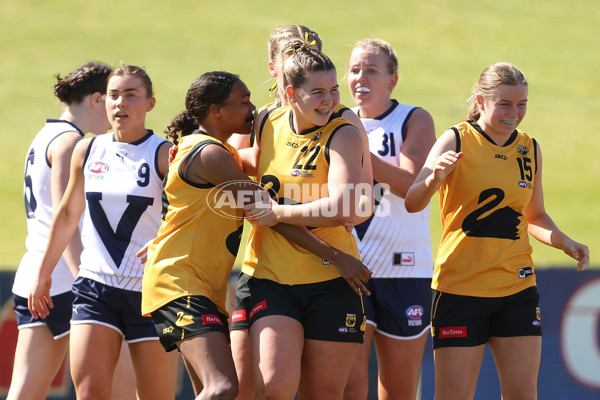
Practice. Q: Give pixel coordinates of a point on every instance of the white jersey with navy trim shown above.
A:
(123, 187)
(393, 243)
(38, 206)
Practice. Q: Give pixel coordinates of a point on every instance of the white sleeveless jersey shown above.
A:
(393, 243)
(123, 189)
(38, 206)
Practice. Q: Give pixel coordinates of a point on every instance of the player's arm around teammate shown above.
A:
(305, 145)
(239, 328)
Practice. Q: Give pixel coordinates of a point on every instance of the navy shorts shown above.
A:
(328, 310)
(186, 317)
(241, 308)
(466, 321)
(58, 321)
(399, 308)
(119, 309)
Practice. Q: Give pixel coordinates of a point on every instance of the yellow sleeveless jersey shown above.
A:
(294, 168)
(485, 250)
(199, 237)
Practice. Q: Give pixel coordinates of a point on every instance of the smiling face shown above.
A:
(370, 81)
(314, 101)
(238, 110)
(127, 103)
(503, 111)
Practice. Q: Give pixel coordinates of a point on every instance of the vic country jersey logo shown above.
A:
(414, 312)
(98, 167)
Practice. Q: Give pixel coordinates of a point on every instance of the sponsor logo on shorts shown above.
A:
(350, 320)
(168, 330)
(415, 315)
(211, 319)
(259, 307)
(414, 312)
(453, 332)
(342, 329)
(404, 259)
(325, 262)
(239, 315)
(535, 322)
(183, 320)
(525, 272)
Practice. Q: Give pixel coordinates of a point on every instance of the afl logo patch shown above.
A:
(98, 168)
(414, 312)
(295, 172)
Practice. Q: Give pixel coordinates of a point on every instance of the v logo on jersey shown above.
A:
(116, 242)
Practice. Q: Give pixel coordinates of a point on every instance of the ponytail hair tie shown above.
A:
(306, 44)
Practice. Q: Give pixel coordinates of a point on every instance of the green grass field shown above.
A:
(442, 47)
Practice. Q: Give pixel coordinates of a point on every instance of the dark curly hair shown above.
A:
(210, 88)
(90, 78)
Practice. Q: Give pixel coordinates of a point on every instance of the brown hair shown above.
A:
(283, 34)
(88, 79)
(139, 72)
(493, 76)
(300, 60)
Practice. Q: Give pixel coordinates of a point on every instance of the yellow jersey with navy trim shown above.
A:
(294, 168)
(484, 249)
(198, 240)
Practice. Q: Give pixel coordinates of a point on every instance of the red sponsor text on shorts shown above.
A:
(208, 319)
(260, 306)
(453, 332)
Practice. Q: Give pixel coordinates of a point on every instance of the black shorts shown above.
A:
(327, 310)
(466, 321)
(241, 308)
(58, 321)
(186, 317)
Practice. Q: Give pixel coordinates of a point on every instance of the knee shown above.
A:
(225, 390)
(275, 391)
(354, 391)
(529, 393)
(89, 390)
